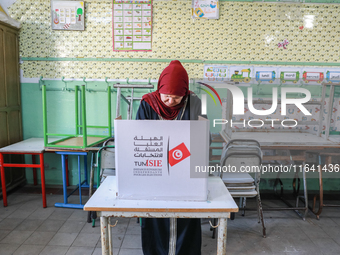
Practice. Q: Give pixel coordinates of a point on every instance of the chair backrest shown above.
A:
(241, 149)
(241, 159)
(245, 142)
(107, 158)
(107, 154)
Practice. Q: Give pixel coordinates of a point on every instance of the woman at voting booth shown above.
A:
(171, 101)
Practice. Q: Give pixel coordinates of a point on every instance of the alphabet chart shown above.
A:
(132, 25)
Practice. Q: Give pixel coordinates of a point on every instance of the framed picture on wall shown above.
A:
(205, 9)
(67, 15)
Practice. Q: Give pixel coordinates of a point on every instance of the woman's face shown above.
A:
(170, 100)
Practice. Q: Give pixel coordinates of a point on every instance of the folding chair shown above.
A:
(105, 167)
(243, 156)
(106, 160)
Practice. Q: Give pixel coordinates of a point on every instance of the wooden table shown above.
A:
(65, 153)
(219, 205)
(32, 146)
(69, 147)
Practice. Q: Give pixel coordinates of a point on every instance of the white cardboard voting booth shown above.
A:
(158, 160)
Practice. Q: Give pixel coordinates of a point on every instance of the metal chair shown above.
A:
(105, 164)
(239, 158)
(106, 160)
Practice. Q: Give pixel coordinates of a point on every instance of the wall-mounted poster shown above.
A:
(67, 15)
(289, 75)
(312, 76)
(132, 25)
(215, 73)
(266, 75)
(241, 75)
(205, 9)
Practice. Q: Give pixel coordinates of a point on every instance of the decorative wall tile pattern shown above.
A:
(244, 32)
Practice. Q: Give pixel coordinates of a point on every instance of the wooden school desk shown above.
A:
(219, 205)
(32, 146)
(67, 148)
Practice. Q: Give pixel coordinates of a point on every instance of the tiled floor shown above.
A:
(27, 228)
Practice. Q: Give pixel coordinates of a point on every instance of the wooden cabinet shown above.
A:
(10, 100)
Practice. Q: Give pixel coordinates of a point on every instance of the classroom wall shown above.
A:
(246, 33)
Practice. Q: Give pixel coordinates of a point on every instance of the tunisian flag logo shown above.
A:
(178, 154)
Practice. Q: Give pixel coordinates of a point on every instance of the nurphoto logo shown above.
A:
(238, 105)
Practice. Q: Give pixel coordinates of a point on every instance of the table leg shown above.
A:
(91, 175)
(63, 170)
(35, 178)
(79, 180)
(110, 238)
(173, 236)
(85, 171)
(66, 167)
(104, 235)
(317, 213)
(328, 161)
(3, 180)
(89, 214)
(222, 237)
(42, 176)
(64, 174)
(305, 191)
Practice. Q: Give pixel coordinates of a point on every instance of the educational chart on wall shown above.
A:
(67, 15)
(247, 75)
(205, 9)
(215, 73)
(132, 25)
(266, 75)
(241, 74)
(290, 75)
